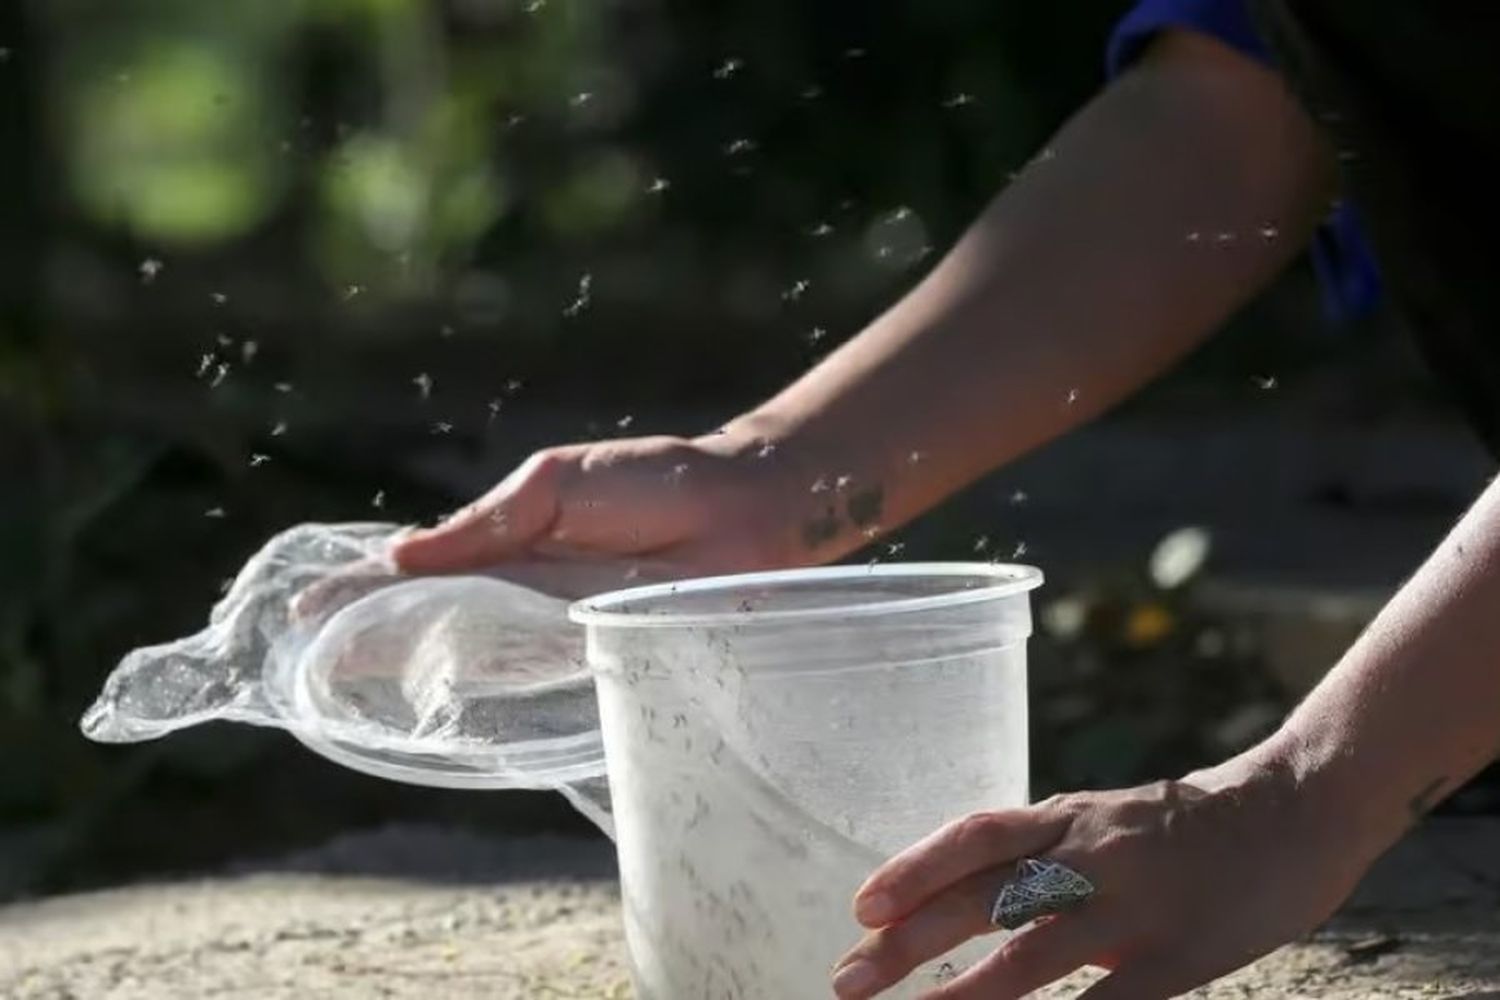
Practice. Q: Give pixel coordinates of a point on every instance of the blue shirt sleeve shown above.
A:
(1341, 253)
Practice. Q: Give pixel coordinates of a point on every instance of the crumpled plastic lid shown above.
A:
(455, 681)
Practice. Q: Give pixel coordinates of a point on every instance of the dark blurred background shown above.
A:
(265, 263)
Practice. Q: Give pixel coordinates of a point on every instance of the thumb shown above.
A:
(497, 526)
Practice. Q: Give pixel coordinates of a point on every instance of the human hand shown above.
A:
(1193, 879)
(654, 508)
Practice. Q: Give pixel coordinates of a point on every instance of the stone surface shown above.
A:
(429, 913)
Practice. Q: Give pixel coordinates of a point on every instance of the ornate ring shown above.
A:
(1040, 888)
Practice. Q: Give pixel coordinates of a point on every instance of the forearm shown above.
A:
(1413, 709)
(1161, 207)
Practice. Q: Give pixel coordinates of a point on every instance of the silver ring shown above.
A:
(1039, 889)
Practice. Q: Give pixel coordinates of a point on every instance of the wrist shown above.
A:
(1308, 781)
(763, 475)
(814, 501)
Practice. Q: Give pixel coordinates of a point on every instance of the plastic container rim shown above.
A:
(1008, 581)
(547, 762)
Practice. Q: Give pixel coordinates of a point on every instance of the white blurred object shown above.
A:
(1180, 556)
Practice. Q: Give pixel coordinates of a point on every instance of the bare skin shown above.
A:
(1081, 282)
(1237, 859)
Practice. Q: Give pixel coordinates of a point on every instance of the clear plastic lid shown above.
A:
(460, 681)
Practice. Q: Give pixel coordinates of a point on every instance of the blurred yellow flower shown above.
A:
(1147, 625)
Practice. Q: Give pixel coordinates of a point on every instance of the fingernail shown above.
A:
(856, 979)
(875, 910)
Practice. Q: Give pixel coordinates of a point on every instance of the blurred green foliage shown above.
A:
(398, 133)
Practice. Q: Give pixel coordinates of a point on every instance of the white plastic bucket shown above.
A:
(772, 737)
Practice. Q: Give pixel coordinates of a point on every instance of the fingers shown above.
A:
(583, 501)
(889, 954)
(498, 525)
(1030, 960)
(626, 498)
(340, 589)
(963, 848)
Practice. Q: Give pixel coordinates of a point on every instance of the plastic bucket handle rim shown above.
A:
(1008, 580)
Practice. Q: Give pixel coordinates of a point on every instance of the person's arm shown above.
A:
(1199, 876)
(1413, 710)
(1160, 208)
(1157, 211)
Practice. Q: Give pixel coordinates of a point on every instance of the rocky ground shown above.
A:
(411, 912)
